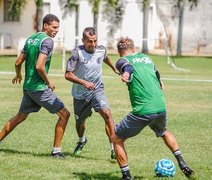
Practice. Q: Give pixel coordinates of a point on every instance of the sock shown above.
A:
(125, 171)
(56, 150)
(179, 158)
(82, 139)
(112, 147)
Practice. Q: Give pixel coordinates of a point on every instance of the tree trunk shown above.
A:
(77, 26)
(95, 21)
(180, 28)
(145, 29)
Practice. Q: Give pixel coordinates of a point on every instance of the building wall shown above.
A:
(17, 30)
(197, 36)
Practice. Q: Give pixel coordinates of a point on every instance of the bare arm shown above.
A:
(71, 77)
(18, 64)
(109, 63)
(40, 67)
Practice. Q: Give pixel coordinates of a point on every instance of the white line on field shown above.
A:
(108, 77)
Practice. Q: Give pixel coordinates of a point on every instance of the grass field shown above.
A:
(24, 154)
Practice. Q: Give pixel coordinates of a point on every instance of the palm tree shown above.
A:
(144, 5)
(180, 4)
(39, 14)
(68, 7)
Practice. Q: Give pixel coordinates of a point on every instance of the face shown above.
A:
(90, 42)
(52, 28)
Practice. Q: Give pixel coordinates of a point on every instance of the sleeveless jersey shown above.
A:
(144, 89)
(87, 67)
(32, 47)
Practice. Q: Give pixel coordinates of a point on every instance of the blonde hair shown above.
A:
(125, 43)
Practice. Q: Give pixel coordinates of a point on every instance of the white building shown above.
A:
(197, 36)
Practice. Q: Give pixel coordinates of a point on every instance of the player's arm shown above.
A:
(18, 64)
(125, 69)
(46, 49)
(109, 63)
(158, 77)
(70, 68)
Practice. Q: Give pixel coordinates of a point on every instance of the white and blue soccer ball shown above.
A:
(165, 168)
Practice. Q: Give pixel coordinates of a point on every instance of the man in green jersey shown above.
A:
(37, 87)
(148, 105)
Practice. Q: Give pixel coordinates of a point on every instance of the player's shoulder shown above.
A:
(101, 47)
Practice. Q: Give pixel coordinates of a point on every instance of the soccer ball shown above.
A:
(165, 168)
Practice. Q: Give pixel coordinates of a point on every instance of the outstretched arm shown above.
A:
(109, 63)
(18, 64)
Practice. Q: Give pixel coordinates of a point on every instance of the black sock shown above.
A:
(125, 171)
(179, 158)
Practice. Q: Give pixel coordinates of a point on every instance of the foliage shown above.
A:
(68, 6)
(14, 8)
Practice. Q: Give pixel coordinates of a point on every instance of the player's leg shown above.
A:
(49, 100)
(171, 143)
(59, 131)
(12, 123)
(100, 104)
(82, 110)
(109, 127)
(27, 106)
(158, 125)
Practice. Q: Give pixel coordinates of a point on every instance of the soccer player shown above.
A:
(148, 105)
(38, 88)
(84, 69)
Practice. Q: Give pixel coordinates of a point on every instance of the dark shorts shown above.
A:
(83, 107)
(32, 101)
(132, 124)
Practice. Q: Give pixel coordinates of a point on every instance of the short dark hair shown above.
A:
(125, 43)
(90, 30)
(49, 18)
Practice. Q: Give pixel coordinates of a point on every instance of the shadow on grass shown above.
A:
(66, 154)
(101, 176)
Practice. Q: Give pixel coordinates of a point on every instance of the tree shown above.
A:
(95, 9)
(144, 5)
(39, 14)
(180, 4)
(68, 7)
(14, 8)
(113, 14)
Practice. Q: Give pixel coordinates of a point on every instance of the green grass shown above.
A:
(24, 154)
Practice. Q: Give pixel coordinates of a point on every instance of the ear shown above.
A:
(45, 25)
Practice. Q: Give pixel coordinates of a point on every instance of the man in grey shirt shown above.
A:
(84, 69)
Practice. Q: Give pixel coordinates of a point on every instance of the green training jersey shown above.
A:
(144, 88)
(33, 80)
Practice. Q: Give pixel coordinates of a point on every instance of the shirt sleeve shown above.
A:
(47, 46)
(124, 66)
(72, 61)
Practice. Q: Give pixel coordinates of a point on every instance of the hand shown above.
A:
(162, 85)
(51, 86)
(116, 71)
(89, 85)
(17, 79)
(125, 77)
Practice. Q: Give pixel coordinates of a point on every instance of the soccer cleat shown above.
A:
(78, 149)
(126, 178)
(57, 155)
(188, 172)
(113, 155)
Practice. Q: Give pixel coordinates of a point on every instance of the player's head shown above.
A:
(51, 25)
(89, 39)
(125, 46)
